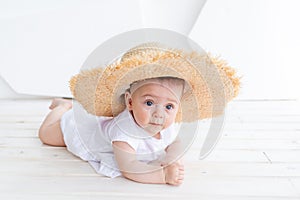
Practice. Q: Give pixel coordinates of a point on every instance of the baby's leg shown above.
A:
(50, 132)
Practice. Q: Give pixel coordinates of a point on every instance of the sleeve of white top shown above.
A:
(123, 137)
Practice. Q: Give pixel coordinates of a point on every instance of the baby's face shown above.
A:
(154, 105)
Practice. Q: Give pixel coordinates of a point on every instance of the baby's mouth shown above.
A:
(155, 124)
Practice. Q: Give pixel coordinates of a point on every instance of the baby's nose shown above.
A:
(158, 112)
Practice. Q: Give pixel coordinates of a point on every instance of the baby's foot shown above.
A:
(60, 102)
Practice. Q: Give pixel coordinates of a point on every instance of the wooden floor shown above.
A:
(257, 158)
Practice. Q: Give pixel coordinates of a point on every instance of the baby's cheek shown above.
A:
(168, 122)
(144, 117)
(171, 118)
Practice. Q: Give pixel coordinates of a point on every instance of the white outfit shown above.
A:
(90, 138)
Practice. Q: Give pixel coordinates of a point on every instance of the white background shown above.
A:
(43, 43)
(261, 38)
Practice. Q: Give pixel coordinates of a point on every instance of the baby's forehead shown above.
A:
(175, 85)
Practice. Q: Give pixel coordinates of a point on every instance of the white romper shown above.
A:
(90, 138)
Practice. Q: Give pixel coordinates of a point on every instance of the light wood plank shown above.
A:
(239, 169)
(194, 169)
(259, 144)
(295, 181)
(13, 133)
(248, 134)
(258, 157)
(290, 156)
(101, 196)
(240, 186)
(42, 153)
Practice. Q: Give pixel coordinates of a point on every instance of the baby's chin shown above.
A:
(153, 129)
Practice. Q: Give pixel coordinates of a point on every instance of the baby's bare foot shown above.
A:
(60, 102)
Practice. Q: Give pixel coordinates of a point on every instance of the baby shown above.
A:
(140, 143)
(124, 119)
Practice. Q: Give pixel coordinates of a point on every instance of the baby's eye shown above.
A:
(169, 107)
(149, 103)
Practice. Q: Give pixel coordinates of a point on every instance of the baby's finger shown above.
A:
(180, 177)
(181, 172)
(181, 167)
(175, 182)
(179, 182)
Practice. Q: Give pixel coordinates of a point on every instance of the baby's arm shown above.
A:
(141, 172)
(173, 152)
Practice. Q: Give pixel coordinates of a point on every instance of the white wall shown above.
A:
(258, 37)
(44, 43)
(261, 38)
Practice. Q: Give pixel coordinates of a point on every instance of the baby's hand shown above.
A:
(174, 173)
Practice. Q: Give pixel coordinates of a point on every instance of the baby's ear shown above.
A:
(128, 100)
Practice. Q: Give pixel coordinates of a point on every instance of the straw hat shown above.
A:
(211, 83)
